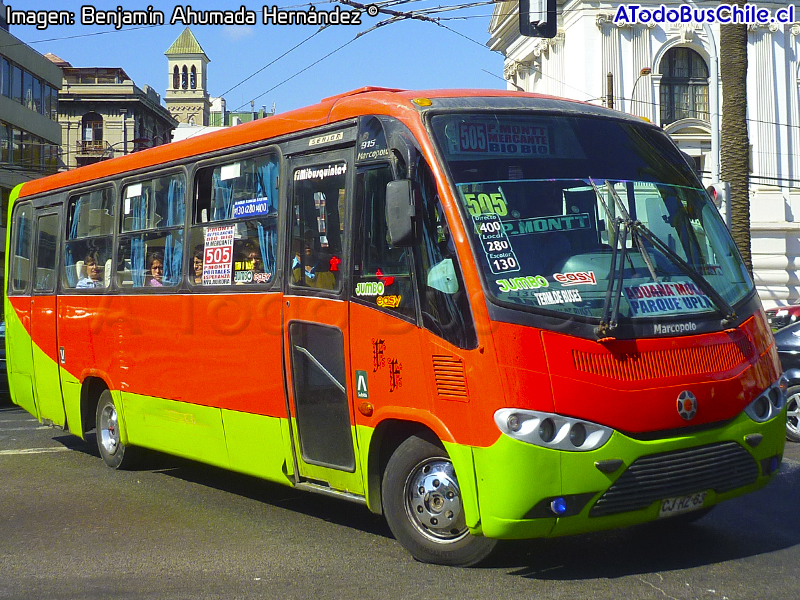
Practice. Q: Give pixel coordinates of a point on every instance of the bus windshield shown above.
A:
(564, 208)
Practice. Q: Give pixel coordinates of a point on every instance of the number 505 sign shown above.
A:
(218, 255)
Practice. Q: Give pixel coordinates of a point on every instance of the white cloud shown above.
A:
(237, 32)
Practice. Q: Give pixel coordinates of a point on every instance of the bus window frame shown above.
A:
(113, 184)
(10, 289)
(191, 214)
(357, 253)
(148, 175)
(55, 209)
(300, 160)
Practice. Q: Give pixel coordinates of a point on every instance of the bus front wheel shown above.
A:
(115, 454)
(424, 508)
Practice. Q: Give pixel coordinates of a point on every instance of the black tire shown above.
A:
(793, 414)
(115, 454)
(431, 524)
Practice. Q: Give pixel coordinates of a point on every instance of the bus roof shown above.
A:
(366, 100)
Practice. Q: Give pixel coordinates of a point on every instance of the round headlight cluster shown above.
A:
(550, 430)
(769, 403)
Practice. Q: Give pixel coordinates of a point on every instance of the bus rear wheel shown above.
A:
(424, 508)
(115, 454)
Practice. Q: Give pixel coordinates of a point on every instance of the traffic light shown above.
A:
(719, 193)
(537, 18)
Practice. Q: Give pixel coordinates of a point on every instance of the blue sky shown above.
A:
(407, 54)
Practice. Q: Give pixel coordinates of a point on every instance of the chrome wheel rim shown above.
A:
(109, 429)
(793, 414)
(433, 501)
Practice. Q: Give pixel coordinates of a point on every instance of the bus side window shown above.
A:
(150, 250)
(21, 258)
(87, 253)
(382, 273)
(233, 240)
(317, 227)
(443, 297)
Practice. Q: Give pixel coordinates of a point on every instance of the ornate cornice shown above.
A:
(773, 27)
(514, 68)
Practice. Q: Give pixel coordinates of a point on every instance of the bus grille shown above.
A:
(664, 363)
(451, 381)
(720, 467)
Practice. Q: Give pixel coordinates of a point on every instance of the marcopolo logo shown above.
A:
(673, 328)
(687, 405)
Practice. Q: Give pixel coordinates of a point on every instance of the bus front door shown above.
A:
(46, 377)
(316, 326)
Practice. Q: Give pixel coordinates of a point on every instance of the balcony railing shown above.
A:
(91, 148)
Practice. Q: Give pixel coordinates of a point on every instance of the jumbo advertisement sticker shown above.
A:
(666, 298)
(218, 255)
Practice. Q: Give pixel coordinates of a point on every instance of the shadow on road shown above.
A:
(333, 510)
(757, 524)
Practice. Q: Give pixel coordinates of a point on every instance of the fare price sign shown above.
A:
(499, 253)
(218, 255)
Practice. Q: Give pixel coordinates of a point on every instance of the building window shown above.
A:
(16, 83)
(193, 80)
(5, 75)
(27, 90)
(185, 78)
(5, 143)
(92, 135)
(684, 86)
(176, 78)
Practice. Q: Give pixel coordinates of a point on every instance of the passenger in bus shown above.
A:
(316, 272)
(251, 252)
(197, 263)
(155, 265)
(92, 272)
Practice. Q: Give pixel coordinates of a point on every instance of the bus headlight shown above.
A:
(769, 403)
(550, 430)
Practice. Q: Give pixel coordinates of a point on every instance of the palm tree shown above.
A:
(734, 140)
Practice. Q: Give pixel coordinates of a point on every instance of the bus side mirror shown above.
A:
(400, 212)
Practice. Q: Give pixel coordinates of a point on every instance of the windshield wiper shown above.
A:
(608, 317)
(639, 231)
(722, 305)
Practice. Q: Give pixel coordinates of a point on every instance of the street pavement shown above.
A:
(70, 528)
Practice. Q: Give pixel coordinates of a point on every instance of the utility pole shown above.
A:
(735, 142)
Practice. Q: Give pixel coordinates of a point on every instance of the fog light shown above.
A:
(513, 423)
(761, 407)
(547, 430)
(577, 435)
(558, 506)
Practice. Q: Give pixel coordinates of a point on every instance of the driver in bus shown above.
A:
(315, 272)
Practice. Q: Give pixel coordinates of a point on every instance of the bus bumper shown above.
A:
(517, 482)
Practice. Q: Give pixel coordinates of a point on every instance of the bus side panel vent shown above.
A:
(451, 380)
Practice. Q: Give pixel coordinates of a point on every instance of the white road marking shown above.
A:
(33, 451)
(2, 429)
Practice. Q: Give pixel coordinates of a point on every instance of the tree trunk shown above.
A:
(734, 140)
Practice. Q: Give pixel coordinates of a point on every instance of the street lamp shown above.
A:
(644, 72)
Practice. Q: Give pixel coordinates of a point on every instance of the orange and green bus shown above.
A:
(483, 314)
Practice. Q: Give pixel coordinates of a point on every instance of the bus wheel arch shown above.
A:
(386, 438)
(91, 390)
(422, 503)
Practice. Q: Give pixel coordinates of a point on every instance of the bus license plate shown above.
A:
(682, 504)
